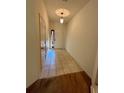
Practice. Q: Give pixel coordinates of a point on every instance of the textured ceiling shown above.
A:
(72, 5)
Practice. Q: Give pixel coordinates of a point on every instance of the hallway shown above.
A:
(62, 40)
(58, 62)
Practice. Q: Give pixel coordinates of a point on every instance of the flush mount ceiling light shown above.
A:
(62, 13)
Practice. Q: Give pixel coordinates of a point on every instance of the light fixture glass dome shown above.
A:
(61, 20)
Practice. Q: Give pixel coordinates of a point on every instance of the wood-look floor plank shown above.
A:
(70, 83)
(58, 62)
(60, 74)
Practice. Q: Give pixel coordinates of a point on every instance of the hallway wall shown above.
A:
(60, 30)
(33, 61)
(82, 39)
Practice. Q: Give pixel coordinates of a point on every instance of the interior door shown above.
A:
(42, 35)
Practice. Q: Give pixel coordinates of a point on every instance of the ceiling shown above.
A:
(72, 5)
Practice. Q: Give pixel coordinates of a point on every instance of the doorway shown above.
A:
(52, 38)
(42, 37)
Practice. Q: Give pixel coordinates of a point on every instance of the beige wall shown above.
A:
(60, 30)
(33, 63)
(95, 72)
(94, 86)
(81, 40)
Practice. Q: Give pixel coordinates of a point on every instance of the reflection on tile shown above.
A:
(58, 62)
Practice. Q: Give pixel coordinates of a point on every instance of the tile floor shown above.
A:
(58, 62)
